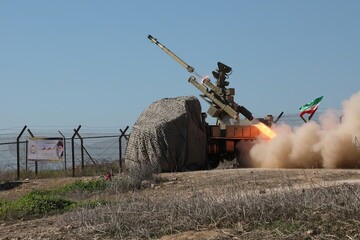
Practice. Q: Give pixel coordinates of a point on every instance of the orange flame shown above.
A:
(265, 130)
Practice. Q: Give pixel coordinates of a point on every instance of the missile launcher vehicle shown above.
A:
(231, 137)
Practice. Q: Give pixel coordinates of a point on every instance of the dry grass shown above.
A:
(89, 170)
(316, 212)
(217, 204)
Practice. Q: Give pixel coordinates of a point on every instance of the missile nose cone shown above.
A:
(152, 39)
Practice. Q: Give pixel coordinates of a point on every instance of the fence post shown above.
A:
(18, 151)
(64, 149)
(82, 150)
(36, 162)
(26, 154)
(73, 149)
(120, 146)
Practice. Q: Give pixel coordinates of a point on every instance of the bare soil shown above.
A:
(67, 226)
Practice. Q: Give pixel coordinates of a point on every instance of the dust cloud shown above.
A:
(327, 144)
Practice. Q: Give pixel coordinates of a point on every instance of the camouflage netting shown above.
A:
(168, 136)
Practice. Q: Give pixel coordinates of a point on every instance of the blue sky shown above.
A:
(65, 63)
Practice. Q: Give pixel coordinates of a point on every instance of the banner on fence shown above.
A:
(45, 149)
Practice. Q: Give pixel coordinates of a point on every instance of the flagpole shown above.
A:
(303, 119)
(311, 115)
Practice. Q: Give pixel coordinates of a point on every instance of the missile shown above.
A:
(176, 58)
(216, 90)
(224, 107)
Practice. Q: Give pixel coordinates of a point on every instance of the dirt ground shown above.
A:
(66, 226)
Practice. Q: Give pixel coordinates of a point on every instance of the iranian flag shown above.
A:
(310, 107)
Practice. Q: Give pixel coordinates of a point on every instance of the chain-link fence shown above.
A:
(84, 149)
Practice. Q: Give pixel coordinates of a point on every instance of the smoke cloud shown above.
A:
(327, 144)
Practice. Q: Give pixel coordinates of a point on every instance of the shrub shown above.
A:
(85, 186)
(42, 202)
(33, 204)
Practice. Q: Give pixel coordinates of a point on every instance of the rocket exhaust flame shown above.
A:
(265, 130)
